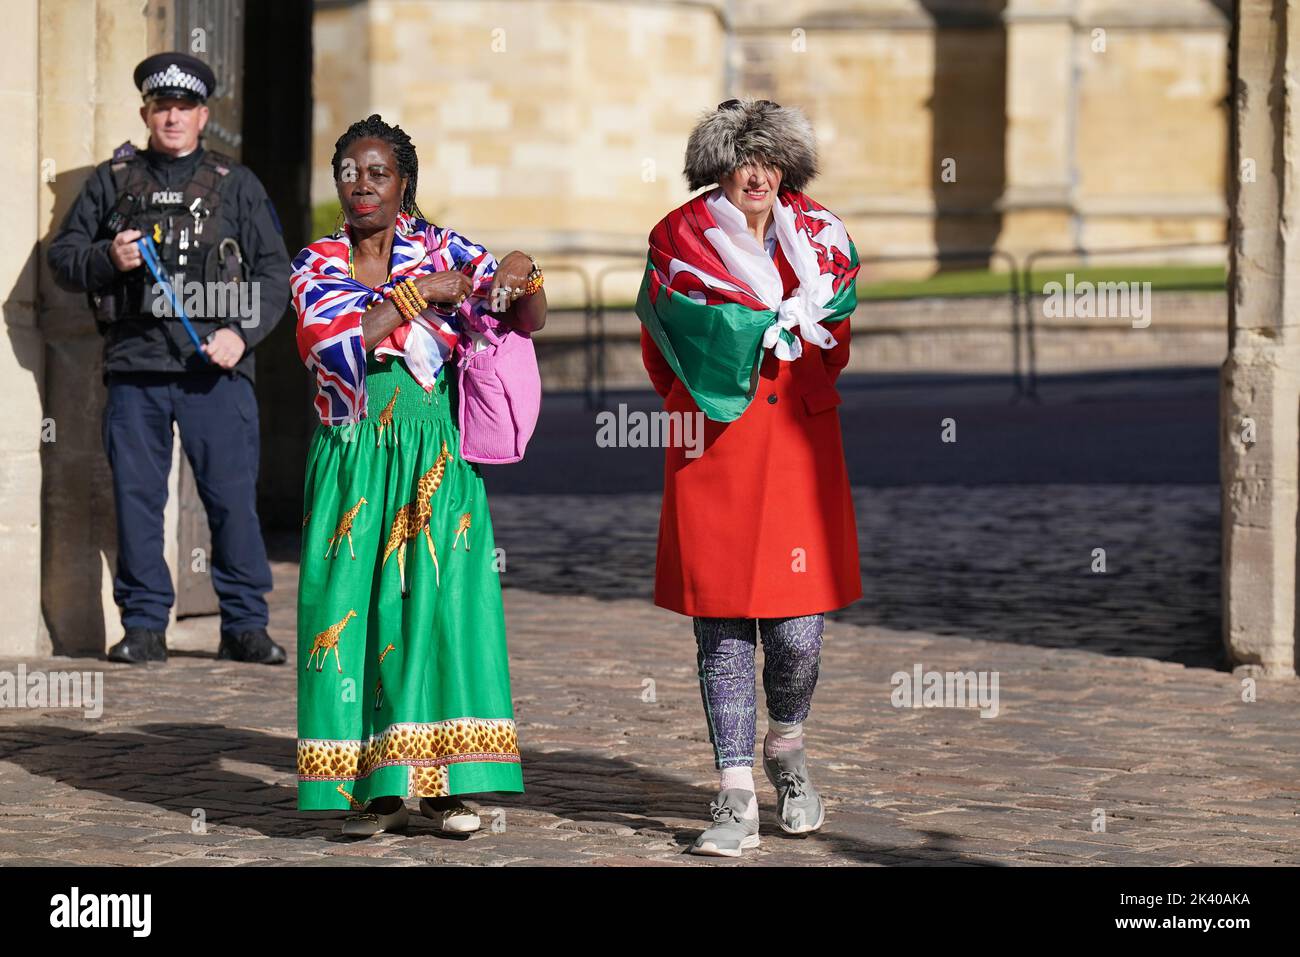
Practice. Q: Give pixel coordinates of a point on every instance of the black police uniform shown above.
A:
(211, 222)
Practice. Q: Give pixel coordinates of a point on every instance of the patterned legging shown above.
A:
(725, 654)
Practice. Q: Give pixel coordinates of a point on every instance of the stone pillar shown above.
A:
(21, 358)
(1260, 395)
(1038, 203)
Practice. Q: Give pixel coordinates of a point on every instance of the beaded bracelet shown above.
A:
(535, 280)
(405, 293)
(404, 306)
(396, 297)
(415, 296)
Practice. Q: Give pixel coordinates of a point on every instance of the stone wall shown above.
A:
(559, 127)
(550, 127)
(22, 357)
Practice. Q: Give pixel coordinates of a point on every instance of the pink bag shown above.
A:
(500, 397)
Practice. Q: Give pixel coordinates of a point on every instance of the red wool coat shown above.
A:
(760, 524)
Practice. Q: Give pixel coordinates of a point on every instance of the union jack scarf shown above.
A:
(712, 298)
(330, 304)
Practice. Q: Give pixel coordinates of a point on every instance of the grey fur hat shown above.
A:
(741, 130)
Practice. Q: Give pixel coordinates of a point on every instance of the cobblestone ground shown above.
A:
(1110, 707)
(997, 563)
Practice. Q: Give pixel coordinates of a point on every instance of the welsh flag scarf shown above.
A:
(330, 304)
(712, 298)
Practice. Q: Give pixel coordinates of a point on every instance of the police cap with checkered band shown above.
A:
(175, 74)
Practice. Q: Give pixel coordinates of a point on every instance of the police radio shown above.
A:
(107, 306)
(119, 217)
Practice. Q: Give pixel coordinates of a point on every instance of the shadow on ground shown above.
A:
(179, 767)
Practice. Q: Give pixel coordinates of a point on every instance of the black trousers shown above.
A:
(217, 416)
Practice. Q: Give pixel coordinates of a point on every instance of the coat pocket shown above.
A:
(821, 399)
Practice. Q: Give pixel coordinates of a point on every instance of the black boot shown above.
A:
(254, 646)
(140, 645)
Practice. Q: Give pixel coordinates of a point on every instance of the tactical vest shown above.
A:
(185, 224)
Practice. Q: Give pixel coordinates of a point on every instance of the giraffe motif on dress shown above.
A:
(306, 518)
(386, 418)
(345, 528)
(413, 518)
(352, 802)
(379, 685)
(462, 528)
(328, 640)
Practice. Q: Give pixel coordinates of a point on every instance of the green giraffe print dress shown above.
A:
(403, 678)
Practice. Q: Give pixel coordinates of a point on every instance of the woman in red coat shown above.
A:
(745, 310)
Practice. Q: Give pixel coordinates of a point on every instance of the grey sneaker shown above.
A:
(731, 833)
(799, 808)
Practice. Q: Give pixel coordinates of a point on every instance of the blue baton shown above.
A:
(150, 253)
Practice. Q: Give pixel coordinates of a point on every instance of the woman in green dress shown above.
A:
(403, 681)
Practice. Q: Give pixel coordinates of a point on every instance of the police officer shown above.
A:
(211, 234)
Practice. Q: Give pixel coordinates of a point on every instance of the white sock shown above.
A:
(781, 730)
(743, 778)
(782, 737)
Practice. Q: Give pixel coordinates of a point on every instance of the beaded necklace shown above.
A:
(352, 268)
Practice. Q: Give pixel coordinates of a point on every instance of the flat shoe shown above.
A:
(454, 819)
(368, 823)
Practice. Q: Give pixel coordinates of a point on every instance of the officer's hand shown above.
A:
(225, 348)
(124, 252)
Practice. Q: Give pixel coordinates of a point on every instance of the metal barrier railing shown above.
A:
(1013, 294)
(588, 307)
(595, 338)
(1085, 255)
(1021, 327)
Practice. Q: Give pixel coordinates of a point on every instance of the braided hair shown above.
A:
(408, 164)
